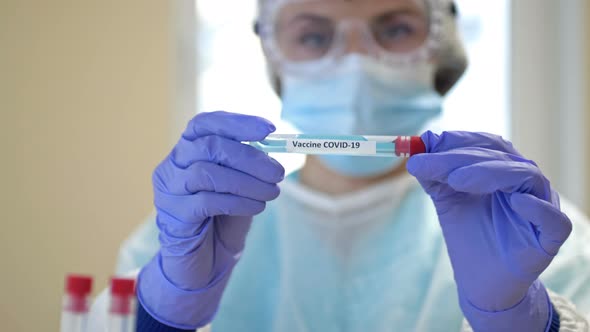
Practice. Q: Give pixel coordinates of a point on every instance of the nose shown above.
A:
(356, 41)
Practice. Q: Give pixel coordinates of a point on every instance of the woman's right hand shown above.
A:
(206, 192)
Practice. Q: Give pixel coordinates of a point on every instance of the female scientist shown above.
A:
(469, 235)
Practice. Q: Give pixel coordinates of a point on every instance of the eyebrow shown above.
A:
(309, 17)
(396, 12)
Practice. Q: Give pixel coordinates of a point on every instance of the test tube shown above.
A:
(122, 305)
(357, 145)
(75, 306)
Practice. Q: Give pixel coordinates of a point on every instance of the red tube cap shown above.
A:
(122, 294)
(78, 285)
(122, 286)
(417, 146)
(407, 146)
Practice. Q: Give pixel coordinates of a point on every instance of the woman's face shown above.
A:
(308, 30)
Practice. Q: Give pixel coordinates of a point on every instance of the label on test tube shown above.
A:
(324, 146)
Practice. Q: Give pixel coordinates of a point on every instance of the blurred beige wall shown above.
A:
(587, 41)
(85, 101)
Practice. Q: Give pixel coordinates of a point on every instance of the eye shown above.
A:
(401, 33)
(395, 32)
(315, 40)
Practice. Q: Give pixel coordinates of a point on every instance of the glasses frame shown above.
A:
(265, 28)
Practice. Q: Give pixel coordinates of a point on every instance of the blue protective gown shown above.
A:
(374, 260)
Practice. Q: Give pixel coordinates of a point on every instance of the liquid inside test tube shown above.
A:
(359, 145)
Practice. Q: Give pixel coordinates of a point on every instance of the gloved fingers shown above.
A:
(554, 226)
(216, 204)
(204, 204)
(207, 176)
(438, 166)
(450, 140)
(499, 175)
(229, 153)
(231, 233)
(238, 127)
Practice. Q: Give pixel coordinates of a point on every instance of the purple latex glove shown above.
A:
(205, 192)
(502, 226)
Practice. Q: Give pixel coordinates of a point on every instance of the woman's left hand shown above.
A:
(502, 226)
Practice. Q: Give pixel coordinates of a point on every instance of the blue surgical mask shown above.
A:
(362, 96)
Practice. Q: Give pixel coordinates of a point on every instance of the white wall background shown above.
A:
(480, 100)
(549, 91)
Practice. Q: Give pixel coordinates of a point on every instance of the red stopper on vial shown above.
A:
(77, 288)
(122, 295)
(407, 146)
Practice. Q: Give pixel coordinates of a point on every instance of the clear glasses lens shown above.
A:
(309, 30)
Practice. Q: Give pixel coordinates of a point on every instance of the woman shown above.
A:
(355, 243)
